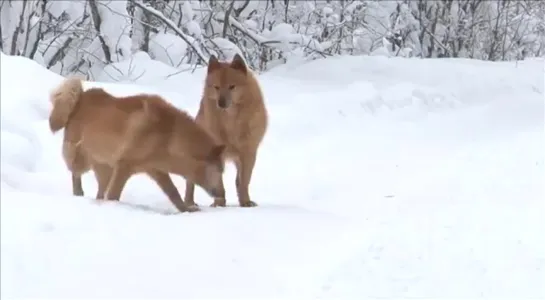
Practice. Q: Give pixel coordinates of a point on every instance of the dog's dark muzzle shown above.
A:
(216, 193)
(223, 102)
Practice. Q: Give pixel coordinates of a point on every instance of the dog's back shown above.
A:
(142, 126)
(184, 134)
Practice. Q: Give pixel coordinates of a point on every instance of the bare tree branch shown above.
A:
(39, 34)
(97, 22)
(226, 19)
(241, 9)
(18, 29)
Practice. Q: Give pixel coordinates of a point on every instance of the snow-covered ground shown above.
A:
(379, 177)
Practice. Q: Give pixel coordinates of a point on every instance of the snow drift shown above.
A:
(378, 178)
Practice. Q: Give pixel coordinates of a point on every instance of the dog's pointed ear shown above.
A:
(213, 63)
(239, 64)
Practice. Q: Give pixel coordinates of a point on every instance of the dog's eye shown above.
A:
(216, 87)
(231, 86)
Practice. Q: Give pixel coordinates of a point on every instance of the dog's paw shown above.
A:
(104, 200)
(192, 208)
(248, 203)
(219, 202)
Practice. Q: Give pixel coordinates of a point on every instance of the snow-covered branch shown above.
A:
(85, 36)
(190, 41)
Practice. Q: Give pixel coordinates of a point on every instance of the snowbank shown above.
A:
(378, 178)
(25, 86)
(405, 83)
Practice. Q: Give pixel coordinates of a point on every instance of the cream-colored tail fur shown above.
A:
(64, 99)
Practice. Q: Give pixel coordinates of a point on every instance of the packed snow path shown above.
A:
(378, 178)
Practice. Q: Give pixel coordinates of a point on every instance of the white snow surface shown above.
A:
(378, 177)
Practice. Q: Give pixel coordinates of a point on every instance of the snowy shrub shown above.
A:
(167, 48)
(85, 36)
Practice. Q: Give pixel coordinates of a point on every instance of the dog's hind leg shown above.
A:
(77, 163)
(120, 175)
(77, 187)
(103, 173)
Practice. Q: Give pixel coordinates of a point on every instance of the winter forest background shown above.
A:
(84, 36)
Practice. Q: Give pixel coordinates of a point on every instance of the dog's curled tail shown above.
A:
(64, 99)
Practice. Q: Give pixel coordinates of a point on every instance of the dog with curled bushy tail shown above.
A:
(64, 99)
(118, 137)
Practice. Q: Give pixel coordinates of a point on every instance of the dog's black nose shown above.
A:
(222, 102)
(215, 192)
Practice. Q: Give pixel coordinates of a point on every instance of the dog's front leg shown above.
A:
(245, 165)
(189, 193)
(164, 182)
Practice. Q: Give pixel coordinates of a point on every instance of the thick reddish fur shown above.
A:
(118, 137)
(232, 109)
